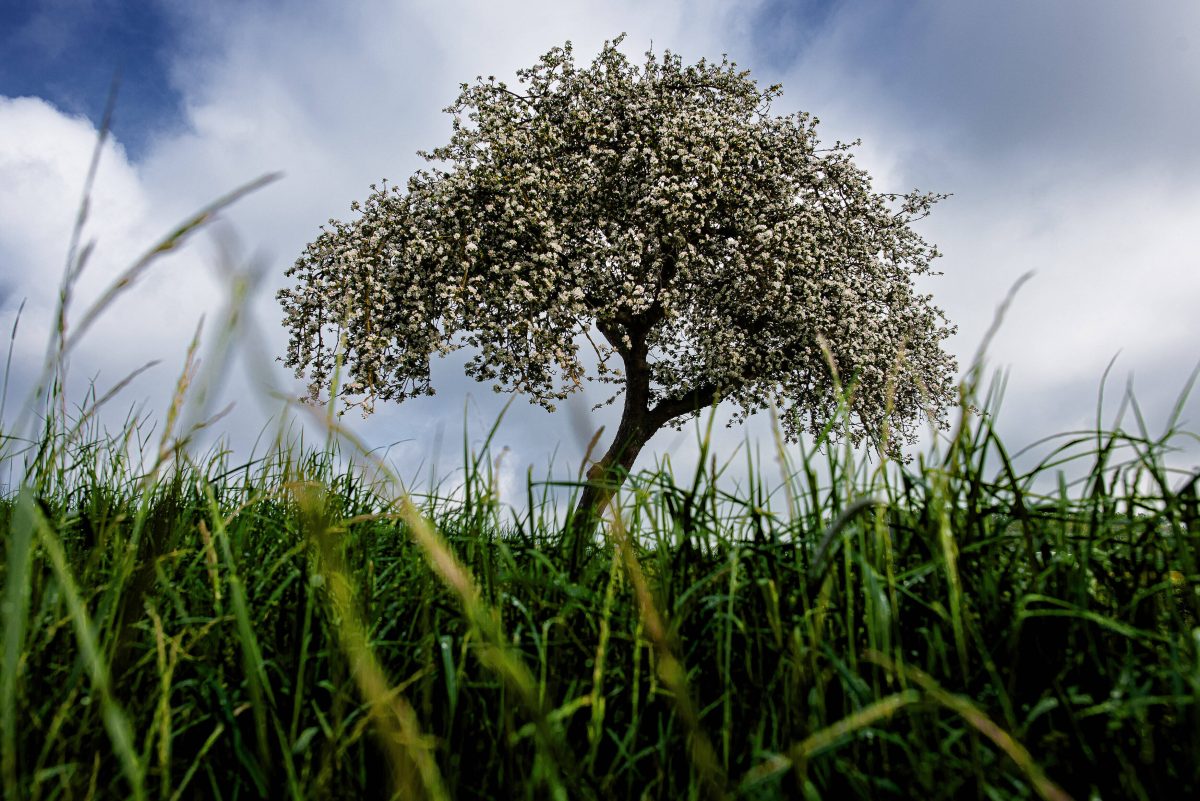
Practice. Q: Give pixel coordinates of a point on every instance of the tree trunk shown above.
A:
(606, 476)
(639, 422)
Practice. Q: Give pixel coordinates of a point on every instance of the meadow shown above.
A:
(978, 623)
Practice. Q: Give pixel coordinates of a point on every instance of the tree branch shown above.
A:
(611, 332)
(700, 397)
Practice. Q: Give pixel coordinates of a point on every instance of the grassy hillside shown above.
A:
(946, 629)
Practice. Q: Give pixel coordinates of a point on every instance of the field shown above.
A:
(287, 629)
(970, 625)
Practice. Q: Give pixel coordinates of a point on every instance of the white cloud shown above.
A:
(44, 157)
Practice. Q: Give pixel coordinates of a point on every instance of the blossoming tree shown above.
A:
(654, 228)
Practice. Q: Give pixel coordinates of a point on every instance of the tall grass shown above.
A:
(180, 626)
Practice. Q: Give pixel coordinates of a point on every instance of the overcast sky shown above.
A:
(1065, 130)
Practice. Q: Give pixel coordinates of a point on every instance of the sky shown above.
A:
(1065, 133)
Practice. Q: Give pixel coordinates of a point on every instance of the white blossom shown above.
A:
(663, 213)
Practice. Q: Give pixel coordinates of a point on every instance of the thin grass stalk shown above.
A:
(669, 668)
(415, 771)
(727, 667)
(596, 721)
(494, 651)
(201, 753)
(165, 663)
(16, 613)
(116, 722)
(826, 738)
(980, 722)
(12, 341)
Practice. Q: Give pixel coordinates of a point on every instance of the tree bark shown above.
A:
(638, 424)
(604, 478)
(606, 475)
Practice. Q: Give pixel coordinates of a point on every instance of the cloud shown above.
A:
(1064, 132)
(44, 157)
(336, 97)
(1103, 83)
(1060, 131)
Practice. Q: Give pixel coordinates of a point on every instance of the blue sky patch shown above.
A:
(67, 52)
(783, 29)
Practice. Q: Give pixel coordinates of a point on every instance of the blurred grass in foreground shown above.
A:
(283, 628)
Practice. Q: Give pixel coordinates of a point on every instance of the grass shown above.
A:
(286, 628)
(177, 626)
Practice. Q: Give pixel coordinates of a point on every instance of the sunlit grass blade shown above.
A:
(979, 721)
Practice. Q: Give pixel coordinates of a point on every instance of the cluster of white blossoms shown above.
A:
(657, 213)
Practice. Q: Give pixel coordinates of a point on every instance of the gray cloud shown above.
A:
(1063, 131)
(1105, 83)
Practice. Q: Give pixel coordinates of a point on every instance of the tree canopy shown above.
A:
(654, 227)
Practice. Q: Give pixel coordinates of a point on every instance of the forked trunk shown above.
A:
(639, 422)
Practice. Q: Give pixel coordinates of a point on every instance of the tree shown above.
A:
(661, 215)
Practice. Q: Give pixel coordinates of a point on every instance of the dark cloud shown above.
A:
(1106, 84)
